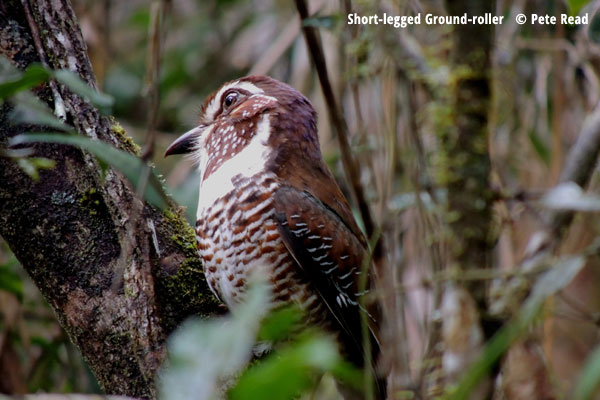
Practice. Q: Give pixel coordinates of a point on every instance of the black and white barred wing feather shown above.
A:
(329, 255)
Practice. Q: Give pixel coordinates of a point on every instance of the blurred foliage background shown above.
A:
(391, 82)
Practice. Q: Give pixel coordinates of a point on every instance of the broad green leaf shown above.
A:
(10, 281)
(31, 166)
(28, 109)
(345, 371)
(13, 82)
(49, 360)
(31, 77)
(280, 323)
(127, 164)
(101, 100)
(289, 372)
(205, 355)
(540, 147)
(589, 379)
(493, 351)
(575, 6)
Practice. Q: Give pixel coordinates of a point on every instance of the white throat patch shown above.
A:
(248, 162)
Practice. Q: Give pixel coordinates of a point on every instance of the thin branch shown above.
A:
(155, 34)
(350, 166)
(157, 10)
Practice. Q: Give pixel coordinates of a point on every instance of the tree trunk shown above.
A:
(466, 143)
(119, 274)
(464, 169)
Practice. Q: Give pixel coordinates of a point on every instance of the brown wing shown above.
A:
(298, 162)
(330, 255)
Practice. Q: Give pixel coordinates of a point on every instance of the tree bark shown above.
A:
(119, 274)
(466, 143)
(464, 169)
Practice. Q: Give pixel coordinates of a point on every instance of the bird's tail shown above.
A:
(377, 389)
(378, 375)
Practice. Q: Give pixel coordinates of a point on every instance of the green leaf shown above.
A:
(575, 6)
(289, 372)
(346, 372)
(31, 77)
(280, 323)
(13, 82)
(589, 379)
(102, 101)
(206, 356)
(493, 351)
(127, 164)
(203, 355)
(28, 109)
(540, 147)
(31, 166)
(10, 281)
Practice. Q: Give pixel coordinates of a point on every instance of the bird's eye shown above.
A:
(230, 100)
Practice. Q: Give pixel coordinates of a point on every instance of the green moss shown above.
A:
(128, 291)
(126, 141)
(91, 200)
(185, 238)
(184, 283)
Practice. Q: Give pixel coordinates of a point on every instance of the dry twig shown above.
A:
(350, 166)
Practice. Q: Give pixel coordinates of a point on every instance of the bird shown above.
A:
(268, 202)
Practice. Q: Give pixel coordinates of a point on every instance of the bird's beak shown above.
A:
(186, 142)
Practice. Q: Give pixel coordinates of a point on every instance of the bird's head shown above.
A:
(252, 120)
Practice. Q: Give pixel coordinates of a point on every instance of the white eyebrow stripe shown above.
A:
(215, 103)
(252, 88)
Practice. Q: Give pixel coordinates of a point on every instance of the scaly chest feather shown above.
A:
(238, 235)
